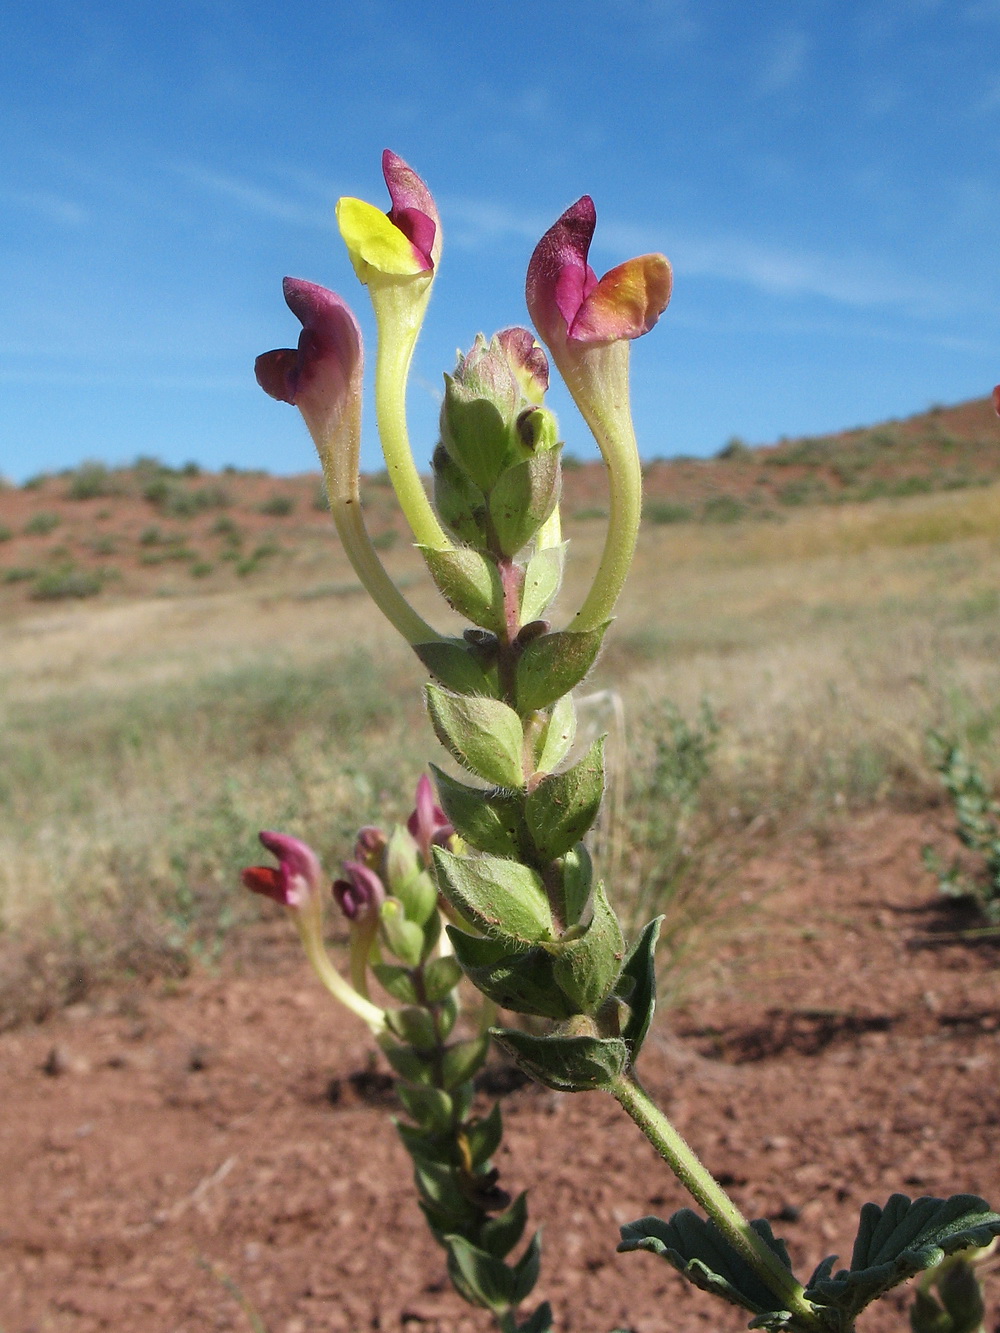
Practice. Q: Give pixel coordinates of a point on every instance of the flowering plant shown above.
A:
(496, 884)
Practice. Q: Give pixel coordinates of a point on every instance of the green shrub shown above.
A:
(41, 524)
(386, 540)
(665, 511)
(5, 533)
(277, 506)
(91, 481)
(735, 450)
(590, 511)
(18, 574)
(723, 509)
(67, 581)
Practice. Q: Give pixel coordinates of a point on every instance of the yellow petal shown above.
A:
(373, 241)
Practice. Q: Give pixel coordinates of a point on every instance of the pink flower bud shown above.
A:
(360, 895)
(297, 880)
(370, 845)
(428, 825)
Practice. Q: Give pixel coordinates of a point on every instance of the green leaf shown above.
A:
(455, 665)
(526, 1270)
(430, 1107)
(483, 1136)
(489, 819)
(501, 1233)
(404, 938)
(439, 1188)
(577, 886)
(398, 981)
(484, 735)
(587, 968)
(441, 976)
(503, 899)
(470, 583)
(893, 1243)
(522, 982)
(523, 498)
(480, 1278)
(637, 987)
(542, 577)
(554, 664)
(475, 431)
(540, 1322)
(462, 1060)
(460, 504)
(698, 1249)
(414, 1026)
(561, 809)
(422, 1145)
(407, 1063)
(567, 1064)
(557, 735)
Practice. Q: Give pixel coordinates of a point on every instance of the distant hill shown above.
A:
(91, 528)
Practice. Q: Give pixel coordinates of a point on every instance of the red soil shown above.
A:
(160, 1143)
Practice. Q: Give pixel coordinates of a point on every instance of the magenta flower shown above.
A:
(361, 894)
(428, 825)
(322, 376)
(567, 301)
(296, 882)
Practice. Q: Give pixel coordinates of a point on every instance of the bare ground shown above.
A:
(166, 1147)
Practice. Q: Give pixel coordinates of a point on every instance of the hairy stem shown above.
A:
(706, 1190)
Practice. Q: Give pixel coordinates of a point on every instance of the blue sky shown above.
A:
(824, 176)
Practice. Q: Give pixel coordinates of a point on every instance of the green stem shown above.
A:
(599, 385)
(706, 1190)
(399, 311)
(364, 558)
(333, 981)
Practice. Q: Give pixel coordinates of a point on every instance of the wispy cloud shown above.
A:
(259, 199)
(51, 207)
(783, 62)
(848, 280)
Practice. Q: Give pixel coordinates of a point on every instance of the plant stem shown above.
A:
(399, 315)
(706, 1190)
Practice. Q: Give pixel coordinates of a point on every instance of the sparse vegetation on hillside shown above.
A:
(828, 641)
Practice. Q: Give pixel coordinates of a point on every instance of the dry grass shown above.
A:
(144, 742)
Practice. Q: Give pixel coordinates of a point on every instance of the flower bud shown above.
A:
(361, 894)
(428, 825)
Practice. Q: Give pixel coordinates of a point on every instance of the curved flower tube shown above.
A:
(587, 324)
(297, 885)
(322, 378)
(395, 255)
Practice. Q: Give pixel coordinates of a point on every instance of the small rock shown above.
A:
(200, 1057)
(61, 1061)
